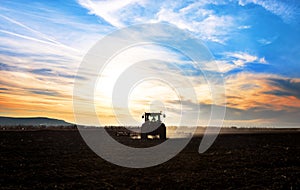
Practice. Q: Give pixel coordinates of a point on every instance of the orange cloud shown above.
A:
(25, 94)
(249, 90)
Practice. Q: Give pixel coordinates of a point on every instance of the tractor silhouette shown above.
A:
(153, 126)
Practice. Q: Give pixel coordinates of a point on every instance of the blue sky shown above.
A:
(255, 43)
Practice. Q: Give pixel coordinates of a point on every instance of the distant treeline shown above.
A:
(40, 127)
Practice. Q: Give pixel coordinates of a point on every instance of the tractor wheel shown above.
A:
(164, 136)
(163, 132)
(144, 136)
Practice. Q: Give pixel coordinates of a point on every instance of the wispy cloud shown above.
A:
(38, 65)
(110, 11)
(241, 58)
(194, 17)
(287, 10)
(230, 61)
(211, 27)
(44, 38)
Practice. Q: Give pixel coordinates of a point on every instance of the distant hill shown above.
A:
(32, 121)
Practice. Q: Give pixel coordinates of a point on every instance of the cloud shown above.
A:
(245, 57)
(50, 72)
(67, 32)
(194, 17)
(30, 95)
(250, 117)
(241, 58)
(5, 67)
(285, 87)
(284, 9)
(38, 61)
(37, 68)
(244, 27)
(261, 117)
(249, 90)
(262, 60)
(211, 27)
(230, 61)
(255, 99)
(44, 92)
(110, 11)
(264, 41)
(39, 36)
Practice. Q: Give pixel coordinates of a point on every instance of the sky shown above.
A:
(255, 43)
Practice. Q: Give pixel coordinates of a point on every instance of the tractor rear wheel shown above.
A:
(163, 132)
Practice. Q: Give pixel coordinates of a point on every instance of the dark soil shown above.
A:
(61, 160)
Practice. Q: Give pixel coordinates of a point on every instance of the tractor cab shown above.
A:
(153, 117)
(153, 125)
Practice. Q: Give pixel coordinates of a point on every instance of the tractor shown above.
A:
(153, 126)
